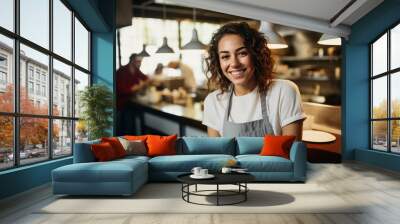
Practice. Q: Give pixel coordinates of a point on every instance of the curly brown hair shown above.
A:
(255, 43)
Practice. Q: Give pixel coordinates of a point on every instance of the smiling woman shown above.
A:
(248, 102)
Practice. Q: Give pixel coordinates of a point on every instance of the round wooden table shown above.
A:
(314, 136)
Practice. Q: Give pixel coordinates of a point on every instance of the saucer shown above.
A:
(208, 176)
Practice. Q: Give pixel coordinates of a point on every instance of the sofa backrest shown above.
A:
(249, 145)
(83, 152)
(206, 145)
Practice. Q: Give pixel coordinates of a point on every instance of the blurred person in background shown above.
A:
(186, 73)
(130, 81)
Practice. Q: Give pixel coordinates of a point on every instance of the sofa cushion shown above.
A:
(83, 152)
(93, 172)
(257, 163)
(207, 145)
(130, 158)
(134, 147)
(249, 145)
(116, 145)
(103, 151)
(136, 137)
(111, 171)
(277, 145)
(185, 163)
(161, 145)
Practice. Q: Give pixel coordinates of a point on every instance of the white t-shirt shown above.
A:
(283, 103)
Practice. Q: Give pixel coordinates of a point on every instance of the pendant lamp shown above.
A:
(144, 53)
(275, 41)
(327, 39)
(194, 43)
(164, 49)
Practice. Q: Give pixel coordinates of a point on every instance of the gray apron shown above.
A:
(252, 128)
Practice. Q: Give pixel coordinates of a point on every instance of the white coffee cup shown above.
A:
(226, 170)
(196, 170)
(203, 172)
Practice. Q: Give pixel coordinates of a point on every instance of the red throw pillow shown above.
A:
(277, 146)
(116, 145)
(161, 145)
(103, 151)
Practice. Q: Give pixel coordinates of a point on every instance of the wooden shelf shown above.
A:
(309, 59)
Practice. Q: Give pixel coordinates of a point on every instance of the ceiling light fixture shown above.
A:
(195, 43)
(144, 53)
(275, 41)
(165, 49)
(327, 39)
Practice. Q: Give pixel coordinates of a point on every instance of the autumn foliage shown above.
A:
(33, 131)
(380, 127)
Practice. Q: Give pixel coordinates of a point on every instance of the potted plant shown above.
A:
(96, 104)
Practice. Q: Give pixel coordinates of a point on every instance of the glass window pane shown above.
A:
(7, 14)
(395, 94)
(35, 21)
(379, 97)
(379, 55)
(81, 45)
(81, 81)
(81, 131)
(379, 135)
(62, 29)
(395, 47)
(62, 141)
(33, 139)
(62, 89)
(6, 74)
(34, 97)
(6, 142)
(395, 138)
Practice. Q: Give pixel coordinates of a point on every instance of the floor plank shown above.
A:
(377, 191)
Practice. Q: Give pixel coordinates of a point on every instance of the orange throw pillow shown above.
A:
(277, 146)
(103, 151)
(116, 145)
(136, 137)
(161, 145)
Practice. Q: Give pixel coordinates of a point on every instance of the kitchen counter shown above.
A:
(167, 118)
(192, 112)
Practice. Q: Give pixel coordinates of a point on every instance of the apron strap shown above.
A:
(263, 98)
(228, 109)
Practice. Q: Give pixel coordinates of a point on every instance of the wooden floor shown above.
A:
(378, 189)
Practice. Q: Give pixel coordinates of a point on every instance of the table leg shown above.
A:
(217, 194)
(188, 194)
(245, 191)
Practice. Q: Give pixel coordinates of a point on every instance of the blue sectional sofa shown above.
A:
(125, 176)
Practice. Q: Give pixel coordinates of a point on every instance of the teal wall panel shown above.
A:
(24, 178)
(356, 85)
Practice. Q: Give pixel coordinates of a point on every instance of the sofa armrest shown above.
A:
(83, 152)
(298, 155)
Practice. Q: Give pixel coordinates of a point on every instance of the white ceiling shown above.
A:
(314, 15)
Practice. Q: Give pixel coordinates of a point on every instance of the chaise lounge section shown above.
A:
(125, 176)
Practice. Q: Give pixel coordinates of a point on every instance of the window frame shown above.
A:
(388, 74)
(16, 114)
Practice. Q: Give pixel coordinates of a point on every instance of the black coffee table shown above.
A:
(238, 179)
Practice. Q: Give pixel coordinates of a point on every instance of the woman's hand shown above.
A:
(295, 128)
